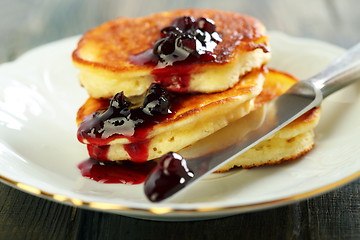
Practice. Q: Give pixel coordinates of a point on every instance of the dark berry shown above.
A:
(188, 43)
(184, 23)
(207, 38)
(156, 101)
(206, 24)
(119, 101)
(171, 29)
(164, 46)
(187, 39)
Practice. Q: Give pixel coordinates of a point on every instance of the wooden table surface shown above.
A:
(27, 24)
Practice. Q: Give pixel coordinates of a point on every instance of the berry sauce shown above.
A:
(125, 119)
(183, 43)
(138, 151)
(98, 152)
(170, 175)
(124, 172)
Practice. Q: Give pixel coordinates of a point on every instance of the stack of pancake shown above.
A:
(217, 92)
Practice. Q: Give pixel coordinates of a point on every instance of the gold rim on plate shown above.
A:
(111, 207)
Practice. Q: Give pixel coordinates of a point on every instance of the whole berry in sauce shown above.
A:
(157, 101)
(124, 118)
(187, 40)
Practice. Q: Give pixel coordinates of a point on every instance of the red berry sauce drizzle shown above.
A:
(123, 119)
(184, 42)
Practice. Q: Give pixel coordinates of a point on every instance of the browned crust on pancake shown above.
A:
(309, 116)
(272, 89)
(115, 41)
(275, 87)
(89, 107)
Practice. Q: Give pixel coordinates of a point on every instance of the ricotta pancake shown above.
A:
(194, 117)
(289, 143)
(206, 118)
(105, 55)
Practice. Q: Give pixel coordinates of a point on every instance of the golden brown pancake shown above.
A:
(196, 117)
(103, 53)
(202, 116)
(291, 142)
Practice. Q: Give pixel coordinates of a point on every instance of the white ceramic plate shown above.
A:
(39, 152)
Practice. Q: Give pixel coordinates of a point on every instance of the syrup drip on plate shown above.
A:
(125, 172)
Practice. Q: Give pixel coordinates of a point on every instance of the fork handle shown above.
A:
(343, 71)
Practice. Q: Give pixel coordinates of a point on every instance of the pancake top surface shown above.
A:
(110, 45)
